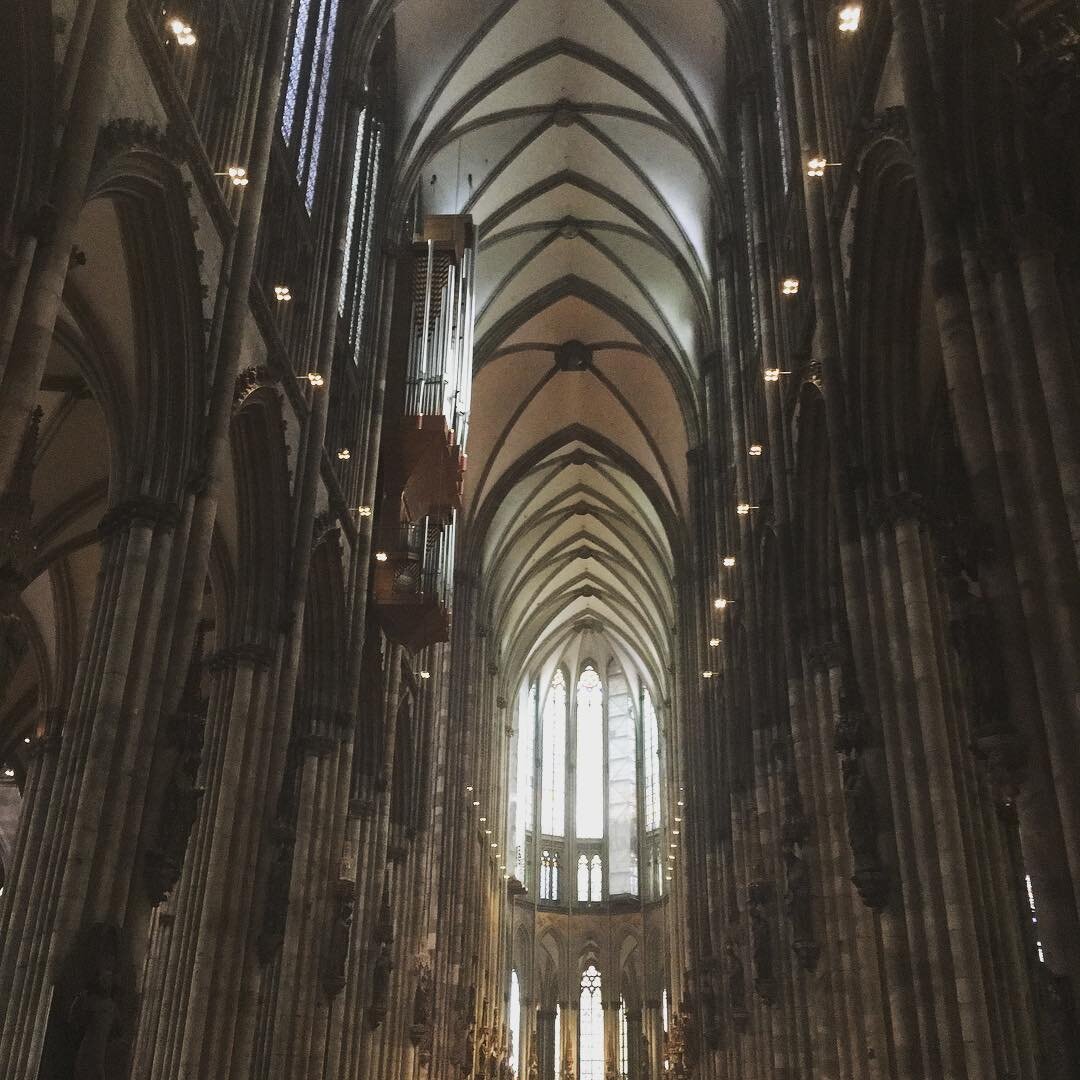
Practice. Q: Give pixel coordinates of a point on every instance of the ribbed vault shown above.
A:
(581, 135)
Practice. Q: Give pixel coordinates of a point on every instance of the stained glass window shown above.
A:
(624, 1040)
(295, 75)
(651, 754)
(621, 826)
(558, 1041)
(590, 755)
(523, 788)
(307, 82)
(591, 1018)
(515, 1020)
(553, 800)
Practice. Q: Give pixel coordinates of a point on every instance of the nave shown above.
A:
(539, 539)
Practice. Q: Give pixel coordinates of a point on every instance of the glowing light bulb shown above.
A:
(721, 603)
(849, 18)
(729, 561)
(425, 674)
(182, 32)
(344, 454)
(714, 643)
(282, 293)
(364, 511)
(381, 556)
(706, 674)
(743, 509)
(756, 449)
(790, 286)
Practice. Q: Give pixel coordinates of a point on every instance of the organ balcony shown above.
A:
(426, 459)
(413, 569)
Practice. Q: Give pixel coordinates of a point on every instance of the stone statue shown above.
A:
(870, 877)
(425, 985)
(861, 811)
(97, 1004)
(736, 985)
(380, 984)
(340, 938)
(95, 1013)
(761, 941)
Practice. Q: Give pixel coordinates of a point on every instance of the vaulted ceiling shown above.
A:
(583, 138)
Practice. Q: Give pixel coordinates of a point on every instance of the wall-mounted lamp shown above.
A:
(849, 17)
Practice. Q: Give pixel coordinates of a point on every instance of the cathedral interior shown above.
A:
(540, 539)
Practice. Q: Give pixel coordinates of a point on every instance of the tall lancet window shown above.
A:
(591, 1049)
(558, 1041)
(515, 1021)
(549, 875)
(553, 800)
(307, 81)
(523, 799)
(650, 737)
(357, 288)
(590, 755)
(590, 878)
(624, 1040)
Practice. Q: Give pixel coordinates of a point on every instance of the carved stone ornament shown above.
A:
(142, 510)
(249, 381)
(126, 134)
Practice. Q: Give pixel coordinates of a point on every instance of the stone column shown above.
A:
(33, 335)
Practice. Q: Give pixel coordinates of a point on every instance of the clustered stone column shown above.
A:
(889, 771)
